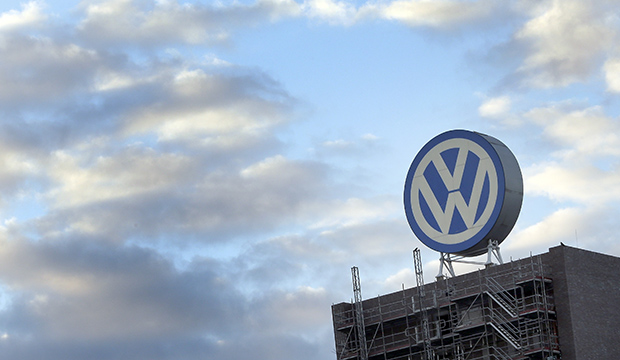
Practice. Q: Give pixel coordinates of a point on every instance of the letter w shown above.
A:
(455, 198)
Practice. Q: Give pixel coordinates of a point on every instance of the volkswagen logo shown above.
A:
(462, 190)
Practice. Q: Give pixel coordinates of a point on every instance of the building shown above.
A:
(563, 304)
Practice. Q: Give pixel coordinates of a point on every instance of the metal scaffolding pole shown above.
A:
(359, 313)
(419, 277)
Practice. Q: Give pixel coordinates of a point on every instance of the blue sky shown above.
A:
(194, 180)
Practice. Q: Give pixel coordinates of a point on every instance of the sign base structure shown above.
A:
(446, 260)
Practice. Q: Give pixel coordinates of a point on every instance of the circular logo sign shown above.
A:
(463, 189)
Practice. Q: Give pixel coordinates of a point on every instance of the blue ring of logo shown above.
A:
(497, 207)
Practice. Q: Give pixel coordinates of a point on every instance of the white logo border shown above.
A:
(470, 246)
(452, 182)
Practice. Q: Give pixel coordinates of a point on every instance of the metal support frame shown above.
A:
(445, 263)
(446, 269)
(493, 249)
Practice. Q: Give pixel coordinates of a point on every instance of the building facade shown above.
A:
(564, 304)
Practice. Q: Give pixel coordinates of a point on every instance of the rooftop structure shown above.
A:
(564, 304)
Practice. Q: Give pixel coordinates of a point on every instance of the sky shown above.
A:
(195, 180)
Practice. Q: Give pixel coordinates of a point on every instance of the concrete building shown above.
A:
(564, 304)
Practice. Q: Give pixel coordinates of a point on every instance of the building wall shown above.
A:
(587, 299)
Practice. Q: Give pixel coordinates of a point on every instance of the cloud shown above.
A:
(17, 168)
(139, 141)
(353, 211)
(31, 15)
(334, 12)
(43, 70)
(153, 24)
(495, 107)
(582, 184)
(373, 241)
(153, 196)
(565, 42)
(558, 227)
(210, 108)
(612, 74)
(362, 146)
(580, 132)
(402, 278)
(439, 14)
(127, 292)
(287, 312)
(78, 298)
(132, 172)
(149, 23)
(166, 153)
(590, 227)
(108, 138)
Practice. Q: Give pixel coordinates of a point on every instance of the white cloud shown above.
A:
(301, 309)
(31, 15)
(612, 74)
(110, 80)
(583, 167)
(404, 277)
(267, 167)
(579, 132)
(278, 9)
(592, 227)
(213, 60)
(363, 146)
(565, 42)
(438, 14)
(372, 241)
(370, 137)
(148, 195)
(354, 211)
(42, 69)
(495, 107)
(134, 171)
(199, 107)
(335, 12)
(338, 144)
(160, 23)
(584, 184)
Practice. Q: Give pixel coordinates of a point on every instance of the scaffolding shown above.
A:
(501, 312)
